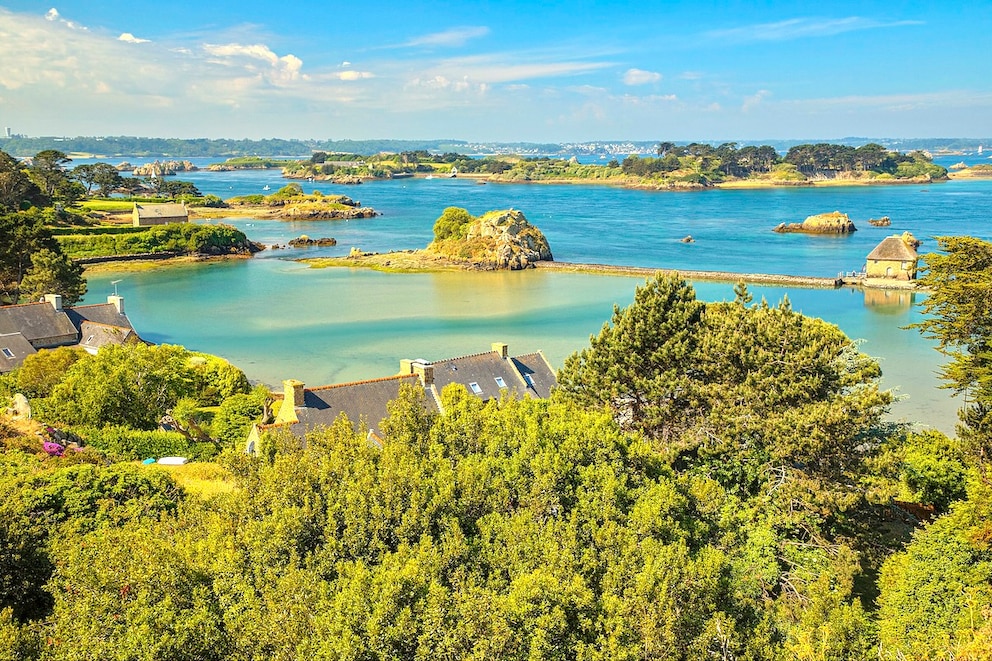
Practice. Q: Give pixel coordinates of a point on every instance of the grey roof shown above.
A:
(93, 335)
(479, 373)
(361, 401)
(537, 372)
(40, 324)
(101, 313)
(893, 248)
(161, 210)
(16, 345)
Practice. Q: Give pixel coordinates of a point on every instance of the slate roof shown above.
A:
(93, 335)
(482, 374)
(14, 348)
(40, 324)
(893, 248)
(361, 401)
(101, 313)
(537, 373)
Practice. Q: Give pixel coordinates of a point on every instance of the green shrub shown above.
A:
(124, 444)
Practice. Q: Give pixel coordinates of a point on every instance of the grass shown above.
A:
(203, 479)
(108, 206)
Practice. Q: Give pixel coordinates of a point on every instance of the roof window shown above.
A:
(476, 388)
(500, 382)
(529, 380)
(7, 352)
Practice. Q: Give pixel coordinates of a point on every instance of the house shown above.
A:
(486, 375)
(26, 328)
(894, 258)
(147, 215)
(363, 402)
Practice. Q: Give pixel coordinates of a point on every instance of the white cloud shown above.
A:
(755, 100)
(801, 28)
(129, 38)
(640, 77)
(449, 38)
(286, 67)
(52, 14)
(354, 75)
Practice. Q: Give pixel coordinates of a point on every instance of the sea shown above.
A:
(277, 318)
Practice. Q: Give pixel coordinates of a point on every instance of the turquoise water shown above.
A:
(278, 319)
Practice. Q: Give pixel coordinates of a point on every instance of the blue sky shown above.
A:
(497, 71)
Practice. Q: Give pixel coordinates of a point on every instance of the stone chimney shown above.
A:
(502, 348)
(117, 302)
(406, 366)
(55, 300)
(425, 372)
(292, 392)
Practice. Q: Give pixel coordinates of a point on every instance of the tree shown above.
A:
(17, 191)
(958, 315)
(22, 235)
(53, 272)
(641, 364)
(452, 223)
(132, 385)
(48, 171)
(41, 372)
(102, 175)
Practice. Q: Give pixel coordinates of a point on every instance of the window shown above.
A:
(500, 382)
(475, 388)
(7, 352)
(89, 339)
(529, 380)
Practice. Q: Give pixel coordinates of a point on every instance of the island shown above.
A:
(834, 222)
(497, 240)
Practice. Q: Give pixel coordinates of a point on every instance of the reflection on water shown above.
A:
(889, 301)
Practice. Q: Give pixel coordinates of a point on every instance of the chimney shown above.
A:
(425, 372)
(117, 302)
(502, 348)
(55, 300)
(406, 366)
(292, 392)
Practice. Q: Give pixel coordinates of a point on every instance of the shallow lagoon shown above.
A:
(278, 319)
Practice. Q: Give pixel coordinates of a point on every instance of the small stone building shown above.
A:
(894, 258)
(146, 215)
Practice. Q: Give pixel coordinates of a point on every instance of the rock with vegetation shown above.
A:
(495, 240)
(834, 222)
(164, 168)
(291, 203)
(884, 221)
(304, 241)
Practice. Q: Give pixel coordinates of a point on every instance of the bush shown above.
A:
(124, 444)
(452, 224)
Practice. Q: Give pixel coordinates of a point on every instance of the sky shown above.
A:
(506, 71)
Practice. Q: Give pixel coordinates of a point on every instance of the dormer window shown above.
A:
(7, 352)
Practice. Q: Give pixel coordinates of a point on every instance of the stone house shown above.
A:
(147, 215)
(895, 258)
(486, 375)
(26, 328)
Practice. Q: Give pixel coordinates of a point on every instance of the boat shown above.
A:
(430, 176)
(266, 187)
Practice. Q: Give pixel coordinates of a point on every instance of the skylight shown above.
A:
(476, 388)
(500, 382)
(7, 352)
(529, 380)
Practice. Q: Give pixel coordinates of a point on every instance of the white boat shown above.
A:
(430, 176)
(266, 187)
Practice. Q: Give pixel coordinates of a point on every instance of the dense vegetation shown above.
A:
(711, 480)
(179, 239)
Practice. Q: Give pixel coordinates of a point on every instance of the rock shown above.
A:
(164, 168)
(305, 241)
(823, 223)
(688, 239)
(499, 240)
(884, 221)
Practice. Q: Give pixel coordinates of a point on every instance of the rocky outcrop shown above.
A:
(164, 168)
(305, 241)
(823, 223)
(498, 240)
(884, 221)
(317, 211)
